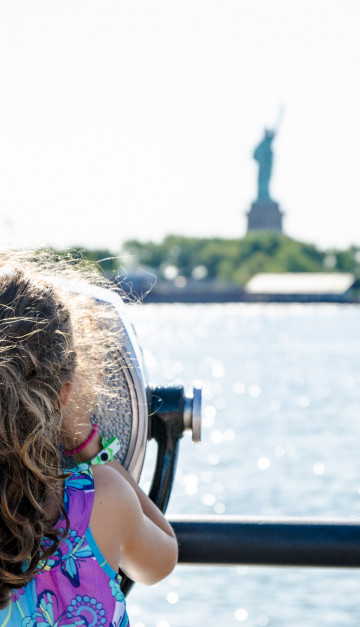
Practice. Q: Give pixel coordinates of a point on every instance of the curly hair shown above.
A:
(36, 358)
(45, 335)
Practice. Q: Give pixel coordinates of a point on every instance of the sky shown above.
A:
(138, 118)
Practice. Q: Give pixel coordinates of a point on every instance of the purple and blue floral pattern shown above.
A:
(79, 551)
(63, 593)
(49, 615)
(89, 608)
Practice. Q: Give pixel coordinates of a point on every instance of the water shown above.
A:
(281, 437)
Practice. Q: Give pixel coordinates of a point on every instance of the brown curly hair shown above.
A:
(37, 357)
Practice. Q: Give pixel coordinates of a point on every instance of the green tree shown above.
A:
(237, 260)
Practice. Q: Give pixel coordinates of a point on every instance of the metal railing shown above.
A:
(235, 540)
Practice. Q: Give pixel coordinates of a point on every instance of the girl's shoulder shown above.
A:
(110, 511)
(100, 499)
(116, 508)
(95, 491)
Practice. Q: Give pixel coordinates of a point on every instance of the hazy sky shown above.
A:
(138, 118)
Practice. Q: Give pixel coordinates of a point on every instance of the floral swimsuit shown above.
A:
(77, 586)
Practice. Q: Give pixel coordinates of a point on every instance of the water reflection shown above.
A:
(281, 434)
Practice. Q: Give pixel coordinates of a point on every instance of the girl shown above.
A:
(64, 534)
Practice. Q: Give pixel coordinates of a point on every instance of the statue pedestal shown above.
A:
(265, 215)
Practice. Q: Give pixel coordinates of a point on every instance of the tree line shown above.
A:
(226, 260)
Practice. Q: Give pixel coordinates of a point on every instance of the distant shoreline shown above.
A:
(154, 297)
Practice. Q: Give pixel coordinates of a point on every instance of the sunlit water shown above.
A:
(280, 437)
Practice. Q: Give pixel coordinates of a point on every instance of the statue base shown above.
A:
(265, 215)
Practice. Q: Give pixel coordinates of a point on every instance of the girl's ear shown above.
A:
(65, 393)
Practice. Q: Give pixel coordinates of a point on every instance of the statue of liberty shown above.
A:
(265, 213)
(264, 156)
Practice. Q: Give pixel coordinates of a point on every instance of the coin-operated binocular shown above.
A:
(138, 412)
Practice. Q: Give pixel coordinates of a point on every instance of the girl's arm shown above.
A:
(129, 529)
